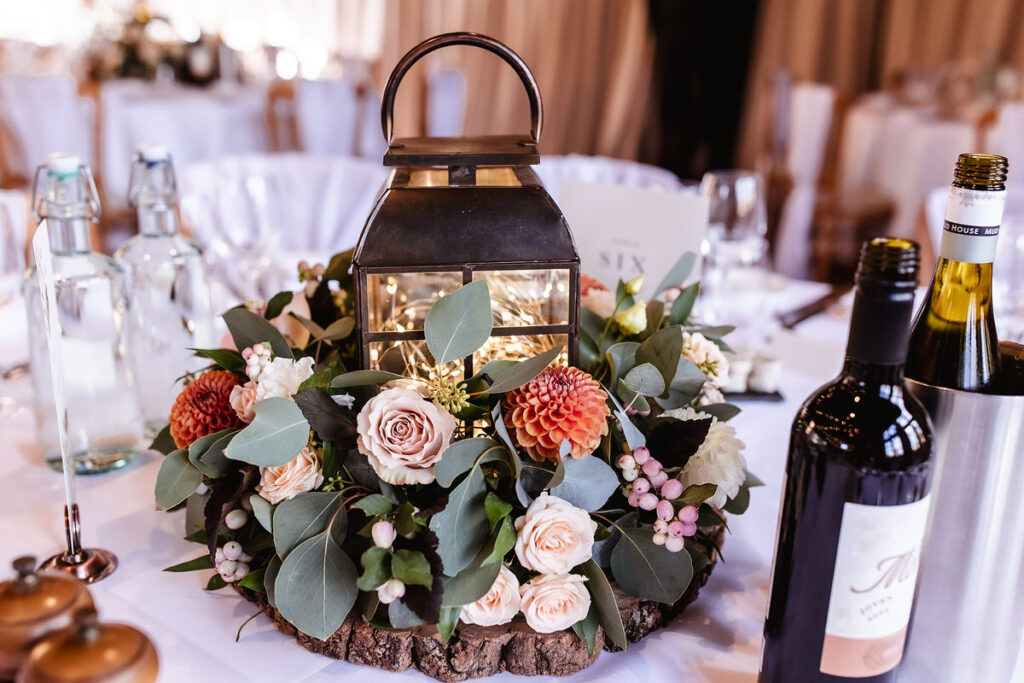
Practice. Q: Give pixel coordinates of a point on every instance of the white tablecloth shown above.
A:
(716, 640)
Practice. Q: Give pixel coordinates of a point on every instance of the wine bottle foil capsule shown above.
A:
(968, 618)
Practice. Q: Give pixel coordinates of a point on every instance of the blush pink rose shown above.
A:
(554, 602)
(499, 605)
(403, 436)
(283, 482)
(554, 536)
(243, 400)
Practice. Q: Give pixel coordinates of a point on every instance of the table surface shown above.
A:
(716, 640)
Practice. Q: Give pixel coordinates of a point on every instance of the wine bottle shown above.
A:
(855, 499)
(954, 342)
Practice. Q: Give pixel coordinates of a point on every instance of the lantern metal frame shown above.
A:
(537, 236)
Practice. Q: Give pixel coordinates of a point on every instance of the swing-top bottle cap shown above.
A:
(63, 164)
(152, 153)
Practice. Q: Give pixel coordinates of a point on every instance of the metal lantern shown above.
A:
(456, 210)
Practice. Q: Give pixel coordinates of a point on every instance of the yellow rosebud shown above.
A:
(634, 319)
(634, 286)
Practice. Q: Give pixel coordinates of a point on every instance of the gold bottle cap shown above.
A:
(89, 652)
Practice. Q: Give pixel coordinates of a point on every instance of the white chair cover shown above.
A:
(811, 107)
(597, 169)
(194, 124)
(14, 227)
(334, 119)
(1006, 137)
(446, 103)
(44, 114)
(291, 201)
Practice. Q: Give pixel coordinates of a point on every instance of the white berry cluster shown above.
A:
(232, 562)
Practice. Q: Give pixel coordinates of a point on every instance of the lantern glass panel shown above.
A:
(486, 176)
(399, 302)
(520, 347)
(409, 357)
(522, 298)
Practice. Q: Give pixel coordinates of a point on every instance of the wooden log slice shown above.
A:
(477, 651)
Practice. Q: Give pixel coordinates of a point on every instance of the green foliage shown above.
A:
(411, 568)
(305, 516)
(263, 511)
(621, 359)
(496, 509)
(227, 359)
(207, 453)
(739, 504)
(201, 562)
(277, 304)
(586, 629)
(361, 378)
(316, 586)
(723, 411)
(275, 436)
(459, 323)
(449, 620)
(662, 350)
(644, 379)
(376, 564)
(459, 457)
(503, 543)
(683, 305)
(678, 274)
(374, 504)
(523, 371)
(587, 483)
(215, 583)
(695, 494)
(247, 328)
(176, 480)
(164, 442)
(649, 571)
(603, 603)
(254, 581)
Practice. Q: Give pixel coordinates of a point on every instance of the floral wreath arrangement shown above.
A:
(532, 488)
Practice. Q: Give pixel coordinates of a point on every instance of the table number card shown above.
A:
(623, 231)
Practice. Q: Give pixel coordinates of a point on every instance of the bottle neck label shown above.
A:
(971, 228)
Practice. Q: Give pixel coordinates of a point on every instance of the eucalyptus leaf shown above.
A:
(361, 378)
(247, 328)
(523, 371)
(459, 323)
(473, 581)
(176, 480)
(216, 467)
(695, 494)
(277, 304)
(502, 544)
(621, 357)
(645, 379)
(711, 331)
(496, 509)
(591, 323)
(493, 368)
(376, 564)
(314, 330)
(449, 620)
(303, 517)
(738, 505)
(678, 274)
(459, 457)
(201, 562)
(751, 480)
(164, 442)
(662, 350)
(263, 511)
(649, 571)
(276, 435)
(401, 616)
(588, 483)
(683, 305)
(586, 629)
(339, 329)
(603, 602)
(374, 504)
(723, 411)
(270, 578)
(634, 437)
(316, 586)
(462, 526)
(634, 399)
(686, 384)
(229, 359)
(698, 559)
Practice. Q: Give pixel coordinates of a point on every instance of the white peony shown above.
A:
(554, 536)
(286, 481)
(718, 460)
(706, 355)
(499, 605)
(554, 602)
(600, 301)
(282, 376)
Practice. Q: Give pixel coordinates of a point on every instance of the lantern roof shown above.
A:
(501, 150)
(432, 226)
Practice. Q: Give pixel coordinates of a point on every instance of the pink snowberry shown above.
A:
(661, 527)
(648, 501)
(672, 489)
(687, 515)
(626, 462)
(665, 510)
(676, 529)
(641, 486)
(657, 480)
(641, 455)
(633, 499)
(651, 467)
(674, 544)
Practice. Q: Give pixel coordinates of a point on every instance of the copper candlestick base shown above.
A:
(88, 565)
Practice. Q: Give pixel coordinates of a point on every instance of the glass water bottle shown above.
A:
(169, 308)
(104, 421)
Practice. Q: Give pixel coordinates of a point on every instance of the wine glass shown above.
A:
(734, 281)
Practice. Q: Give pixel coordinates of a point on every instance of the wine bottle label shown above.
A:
(971, 228)
(872, 588)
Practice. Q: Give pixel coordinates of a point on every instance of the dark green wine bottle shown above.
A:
(954, 342)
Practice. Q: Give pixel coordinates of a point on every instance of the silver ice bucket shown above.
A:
(969, 616)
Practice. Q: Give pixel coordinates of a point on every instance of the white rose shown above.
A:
(282, 376)
(554, 536)
(286, 481)
(718, 460)
(243, 401)
(403, 436)
(706, 355)
(600, 301)
(554, 602)
(500, 604)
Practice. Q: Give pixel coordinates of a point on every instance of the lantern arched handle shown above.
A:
(387, 108)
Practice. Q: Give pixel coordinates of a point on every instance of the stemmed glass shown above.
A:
(734, 280)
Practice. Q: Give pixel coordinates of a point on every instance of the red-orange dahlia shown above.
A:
(558, 404)
(203, 408)
(588, 283)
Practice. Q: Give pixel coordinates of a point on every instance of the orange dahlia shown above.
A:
(561, 403)
(588, 283)
(203, 408)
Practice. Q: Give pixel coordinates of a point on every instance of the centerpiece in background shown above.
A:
(506, 474)
(459, 210)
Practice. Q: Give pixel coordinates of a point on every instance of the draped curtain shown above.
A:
(861, 45)
(592, 60)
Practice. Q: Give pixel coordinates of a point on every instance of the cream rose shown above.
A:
(281, 377)
(600, 301)
(554, 536)
(243, 401)
(403, 436)
(706, 355)
(499, 605)
(554, 602)
(286, 481)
